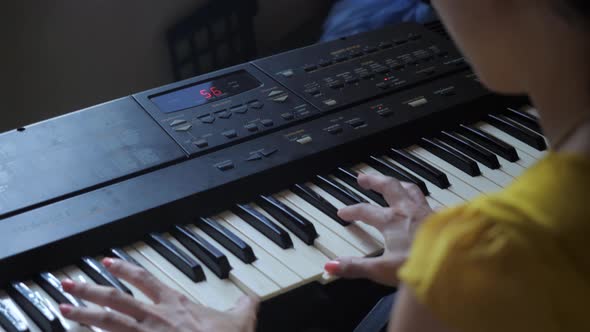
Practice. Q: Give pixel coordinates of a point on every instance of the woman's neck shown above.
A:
(563, 101)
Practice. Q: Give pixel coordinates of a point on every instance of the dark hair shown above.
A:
(577, 10)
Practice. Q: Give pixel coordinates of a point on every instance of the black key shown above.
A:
(12, 321)
(471, 149)
(176, 257)
(264, 225)
(450, 155)
(300, 226)
(517, 131)
(97, 272)
(349, 177)
(525, 119)
(227, 239)
(490, 142)
(420, 167)
(335, 189)
(205, 251)
(35, 307)
(394, 171)
(52, 286)
(122, 255)
(313, 198)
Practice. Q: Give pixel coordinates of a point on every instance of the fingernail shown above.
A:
(107, 262)
(332, 267)
(65, 309)
(68, 284)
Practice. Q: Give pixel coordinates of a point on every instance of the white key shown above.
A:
(366, 169)
(137, 294)
(531, 110)
(353, 234)
(327, 242)
(265, 262)
(495, 175)
(444, 196)
(511, 140)
(513, 169)
(375, 234)
(458, 187)
(525, 160)
(245, 276)
(7, 301)
(61, 276)
(204, 293)
(311, 254)
(354, 190)
(535, 112)
(292, 258)
(482, 183)
(158, 274)
(54, 307)
(77, 275)
(221, 287)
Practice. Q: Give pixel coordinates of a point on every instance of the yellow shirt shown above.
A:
(518, 260)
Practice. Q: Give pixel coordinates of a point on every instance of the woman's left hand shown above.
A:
(170, 311)
(397, 223)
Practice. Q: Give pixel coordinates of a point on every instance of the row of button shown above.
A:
(181, 125)
(369, 73)
(299, 112)
(337, 129)
(265, 153)
(252, 156)
(366, 74)
(358, 53)
(227, 113)
(232, 133)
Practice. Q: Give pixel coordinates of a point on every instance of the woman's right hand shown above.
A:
(397, 222)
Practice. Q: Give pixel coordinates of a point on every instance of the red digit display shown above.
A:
(200, 93)
(206, 94)
(209, 93)
(216, 91)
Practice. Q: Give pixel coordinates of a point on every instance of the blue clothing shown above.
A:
(349, 17)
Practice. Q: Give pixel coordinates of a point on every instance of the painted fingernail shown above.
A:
(68, 284)
(107, 262)
(65, 309)
(332, 267)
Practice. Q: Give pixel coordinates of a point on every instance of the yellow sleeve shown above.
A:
(475, 274)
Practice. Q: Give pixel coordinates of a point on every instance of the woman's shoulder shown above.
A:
(511, 256)
(546, 210)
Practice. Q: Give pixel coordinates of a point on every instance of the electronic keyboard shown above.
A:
(229, 183)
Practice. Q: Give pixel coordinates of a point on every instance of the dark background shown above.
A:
(63, 55)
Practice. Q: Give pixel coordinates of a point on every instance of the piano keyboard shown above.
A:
(281, 241)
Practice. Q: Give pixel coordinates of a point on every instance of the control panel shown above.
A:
(223, 108)
(229, 106)
(359, 68)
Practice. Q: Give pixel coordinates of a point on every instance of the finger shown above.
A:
(140, 278)
(352, 267)
(246, 307)
(414, 192)
(390, 188)
(107, 297)
(373, 215)
(106, 320)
